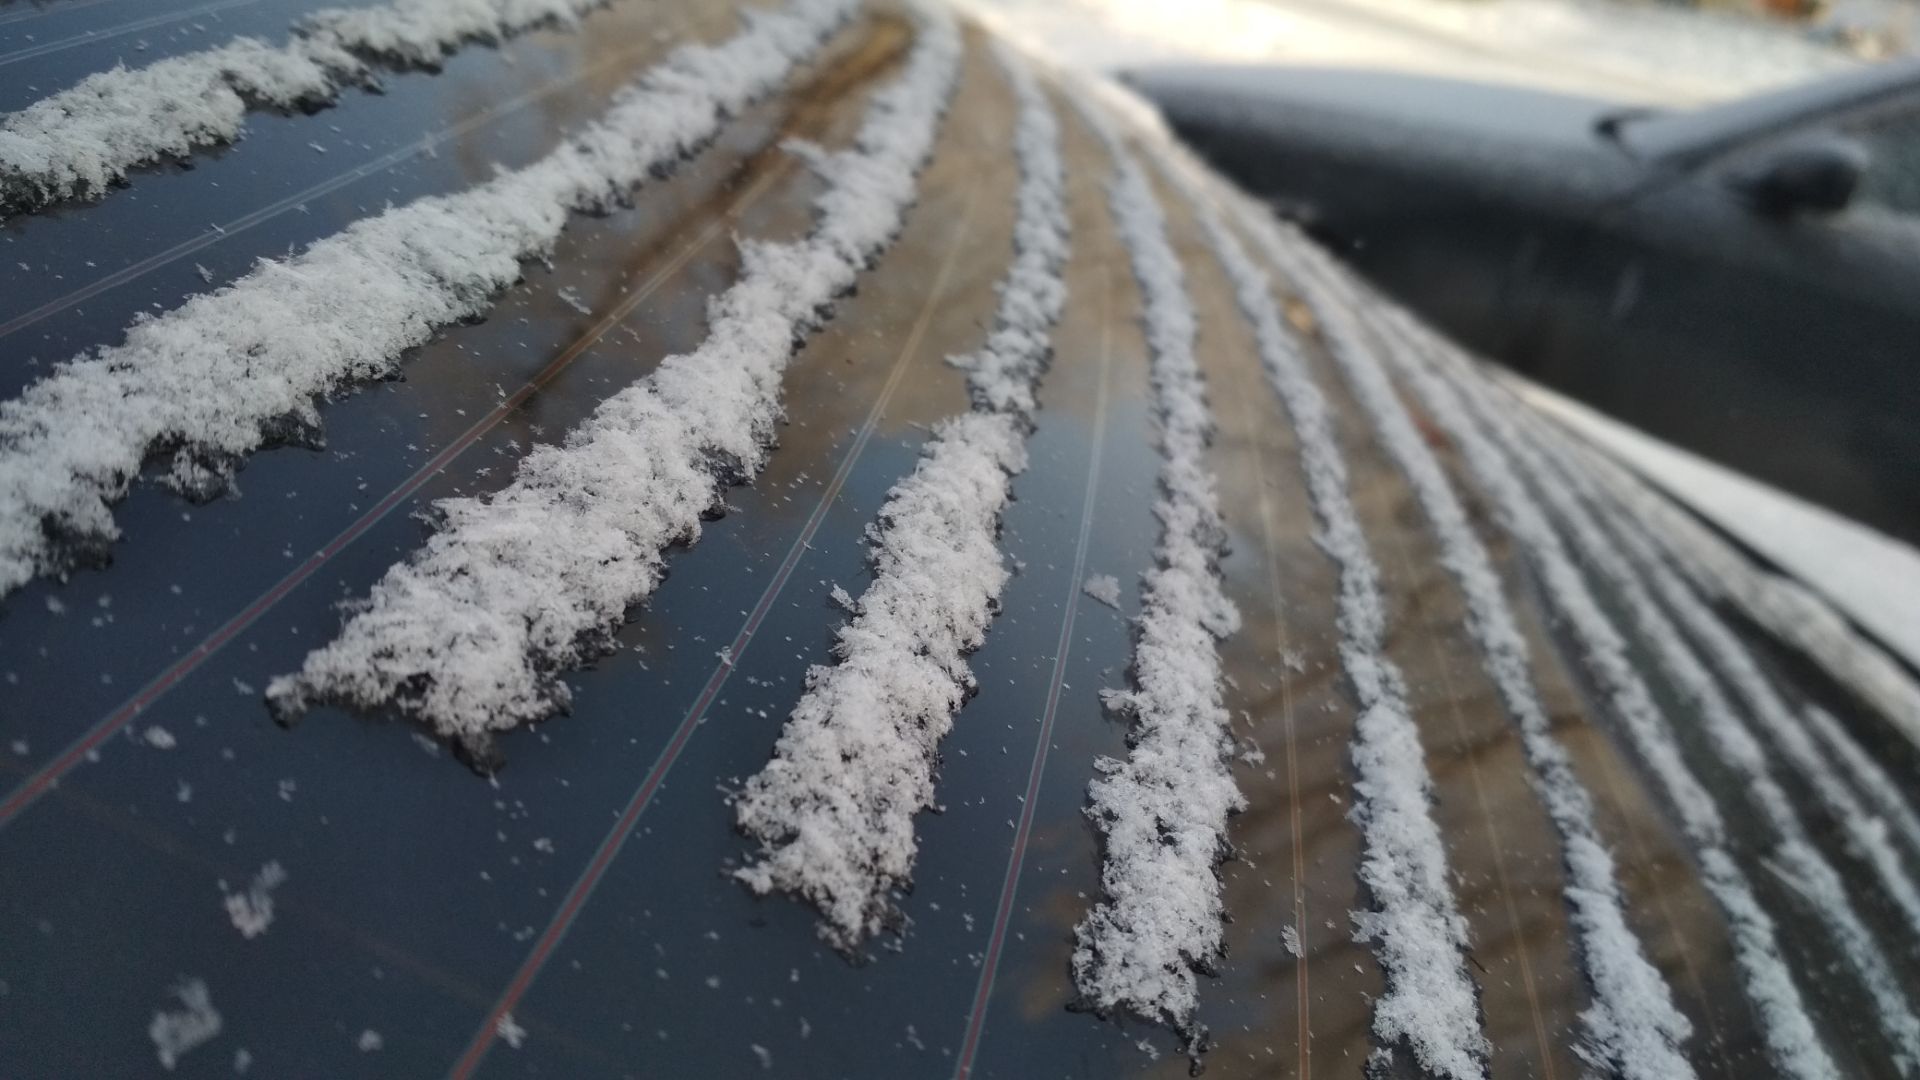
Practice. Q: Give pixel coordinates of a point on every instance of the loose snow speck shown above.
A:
(211, 379)
(1632, 1024)
(370, 1041)
(1104, 588)
(765, 1055)
(472, 634)
(510, 1031)
(833, 810)
(252, 911)
(1163, 811)
(176, 1031)
(159, 738)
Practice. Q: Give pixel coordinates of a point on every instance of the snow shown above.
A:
(370, 1041)
(180, 1030)
(219, 376)
(82, 140)
(1414, 924)
(472, 633)
(833, 810)
(1870, 577)
(1632, 1024)
(252, 911)
(1867, 775)
(1163, 812)
(1104, 588)
(1788, 1030)
(1616, 51)
(1866, 834)
(510, 1031)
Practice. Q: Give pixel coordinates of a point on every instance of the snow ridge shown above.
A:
(471, 634)
(82, 140)
(833, 810)
(1633, 1028)
(1733, 742)
(1163, 812)
(1791, 1038)
(1866, 833)
(1788, 610)
(1867, 775)
(1415, 926)
(227, 372)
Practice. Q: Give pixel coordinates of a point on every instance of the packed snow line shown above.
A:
(471, 634)
(1866, 833)
(1732, 740)
(1632, 1025)
(1791, 1037)
(226, 372)
(834, 809)
(1163, 811)
(1867, 774)
(1430, 1005)
(177, 1031)
(82, 140)
(1792, 613)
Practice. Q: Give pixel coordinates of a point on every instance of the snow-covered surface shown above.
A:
(252, 910)
(1727, 731)
(219, 375)
(1632, 1025)
(1163, 811)
(1866, 834)
(81, 140)
(1414, 924)
(471, 634)
(176, 1031)
(1613, 50)
(833, 811)
(1791, 1038)
(1869, 576)
(1885, 795)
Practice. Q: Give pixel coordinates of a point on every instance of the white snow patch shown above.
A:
(252, 911)
(1163, 811)
(510, 1031)
(472, 633)
(1632, 1025)
(177, 1031)
(1788, 1030)
(1415, 925)
(159, 738)
(834, 809)
(370, 1041)
(219, 374)
(1104, 588)
(81, 140)
(1290, 940)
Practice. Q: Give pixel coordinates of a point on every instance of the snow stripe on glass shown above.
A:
(834, 809)
(216, 378)
(471, 635)
(1430, 1005)
(1163, 811)
(1791, 1038)
(1866, 834)
(1632, 1026)
(82, 140)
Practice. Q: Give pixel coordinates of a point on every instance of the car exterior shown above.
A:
(1605, 251)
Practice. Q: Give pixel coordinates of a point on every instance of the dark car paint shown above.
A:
(1608, 255)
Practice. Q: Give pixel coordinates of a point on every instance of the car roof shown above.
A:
(1687, 136)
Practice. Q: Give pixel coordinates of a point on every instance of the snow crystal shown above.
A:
(1163, 811)
(180, 1030)
(1104, 588)
(1290, 940)
(159, 738)
(1789, 1032)
(370, 1041)
(833, 810)
(252, 911)
(471, 634)
(213, 378)
(510, 1031)
(83, 139)
(1632, 1024)
(1430, 1004)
